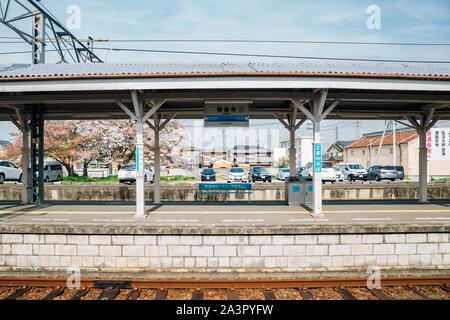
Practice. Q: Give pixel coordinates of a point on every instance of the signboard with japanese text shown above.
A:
(438, 144)
(317, 158)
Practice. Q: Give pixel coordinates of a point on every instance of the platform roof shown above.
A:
(366, 90)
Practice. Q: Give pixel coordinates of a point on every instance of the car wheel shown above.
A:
(378, 178)
(2, 178)
(145, 179)
(59, 178)
(20, 179)
(46, 179)
(392, 179)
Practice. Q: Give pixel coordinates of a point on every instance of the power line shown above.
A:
(246, 55)
(262, 41)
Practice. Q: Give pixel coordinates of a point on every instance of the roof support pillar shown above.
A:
(422, 125)
(22, 123)
(140, 116)
(157, 161)
(316, 114)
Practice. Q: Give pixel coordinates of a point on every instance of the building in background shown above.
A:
(335, 152)
(364, 151)
(303, 147)
(250, 156)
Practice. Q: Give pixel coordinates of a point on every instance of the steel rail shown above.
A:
(183, 284)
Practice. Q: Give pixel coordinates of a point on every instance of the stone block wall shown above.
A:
(224, 254)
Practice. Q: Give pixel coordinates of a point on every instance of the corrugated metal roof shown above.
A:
(374, 141)
(302, 68)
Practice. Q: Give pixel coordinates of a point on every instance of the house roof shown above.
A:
(5, 143)
(340, 145)
(400, 137)
(305, 67)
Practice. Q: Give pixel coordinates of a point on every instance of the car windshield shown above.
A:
(389, 167)
(129, 166)
(236, 170)
(327, 165)
(260, 170)
(355, 166)
(208, 171)
(399, 168)
(284, 170)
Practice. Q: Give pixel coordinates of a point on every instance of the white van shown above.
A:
(52, 171)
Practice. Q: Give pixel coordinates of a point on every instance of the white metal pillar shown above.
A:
(427, 121)
(140, 183)
(317, 170)
(140, 116)
(316, 114)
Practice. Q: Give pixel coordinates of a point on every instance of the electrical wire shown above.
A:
(260, 41)
(248, 55)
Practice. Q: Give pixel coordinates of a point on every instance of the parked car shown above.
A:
(208, 175)
(128, 173)
(283, 174)
(259, 174)
(298, 171)
(327, 173)
(382, 173)
(400, 172)
(354, 171)
(52, 171)
(9, 172)
(237, 174)
(339, 172)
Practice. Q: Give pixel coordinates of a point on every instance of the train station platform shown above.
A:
(233, 241)
(258, 218)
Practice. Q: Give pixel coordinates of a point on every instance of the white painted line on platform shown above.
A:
(371, 219)
(60, 219)
(243, 220)
(176, 220)
(122, 220)
(101, 220)
(41, 219)
(307, 220)
(435, 218)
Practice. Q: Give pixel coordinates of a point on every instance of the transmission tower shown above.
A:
(46, 30)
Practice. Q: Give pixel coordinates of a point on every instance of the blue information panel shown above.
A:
(318, 158)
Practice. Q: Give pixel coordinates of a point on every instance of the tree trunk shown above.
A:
(85, 167)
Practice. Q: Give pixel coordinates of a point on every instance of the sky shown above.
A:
(318, 20)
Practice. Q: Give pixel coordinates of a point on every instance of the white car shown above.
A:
(128, 173)
(52, 171)
(237, 174)
(9, 172)
(283, 174)
(327, 173)
(354, 171)
(339, 172)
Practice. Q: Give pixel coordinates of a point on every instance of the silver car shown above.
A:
(379, 173)
(237, 174)
(283, 174)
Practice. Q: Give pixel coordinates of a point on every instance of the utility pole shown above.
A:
(358, 129)
(337, 133)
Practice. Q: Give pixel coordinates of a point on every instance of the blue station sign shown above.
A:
(317, 158)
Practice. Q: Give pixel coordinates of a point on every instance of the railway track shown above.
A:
(391, 289)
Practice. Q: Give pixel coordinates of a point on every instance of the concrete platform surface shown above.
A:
(232, 218)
